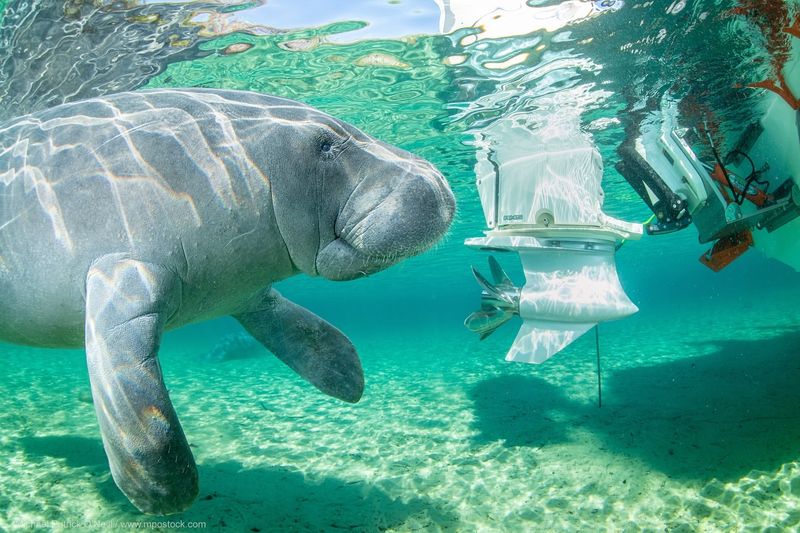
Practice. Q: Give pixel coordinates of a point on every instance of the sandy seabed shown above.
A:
(699, 431)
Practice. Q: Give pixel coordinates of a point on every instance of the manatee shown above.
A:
(125, 216)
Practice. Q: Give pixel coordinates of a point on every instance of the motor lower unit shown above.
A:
(542, 200)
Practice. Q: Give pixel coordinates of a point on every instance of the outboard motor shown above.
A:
(542, 199)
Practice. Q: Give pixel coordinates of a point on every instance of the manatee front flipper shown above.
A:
(313, 348)
(127, 304)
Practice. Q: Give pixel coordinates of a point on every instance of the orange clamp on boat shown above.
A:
(726, 250)
(754, 194)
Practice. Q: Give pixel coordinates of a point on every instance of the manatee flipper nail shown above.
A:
(317, 351)
(127, 306)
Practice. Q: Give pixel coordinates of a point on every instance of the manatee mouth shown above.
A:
(375, 244)
(341, 261)
(379, 225)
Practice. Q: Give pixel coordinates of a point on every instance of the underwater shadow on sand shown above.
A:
(521, 411)
(720, 415)
(79, 453)
(265, 499)
(280, 499)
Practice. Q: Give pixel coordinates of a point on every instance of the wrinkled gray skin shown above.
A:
(125, 216)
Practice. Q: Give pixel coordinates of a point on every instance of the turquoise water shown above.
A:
(700, 422)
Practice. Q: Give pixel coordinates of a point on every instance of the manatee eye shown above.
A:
(329, 143)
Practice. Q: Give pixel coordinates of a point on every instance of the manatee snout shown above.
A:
(387, 219)
(410, 220)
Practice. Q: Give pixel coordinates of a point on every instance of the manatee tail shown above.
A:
(499, 301)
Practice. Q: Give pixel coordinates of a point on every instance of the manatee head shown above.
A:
(348, 205)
